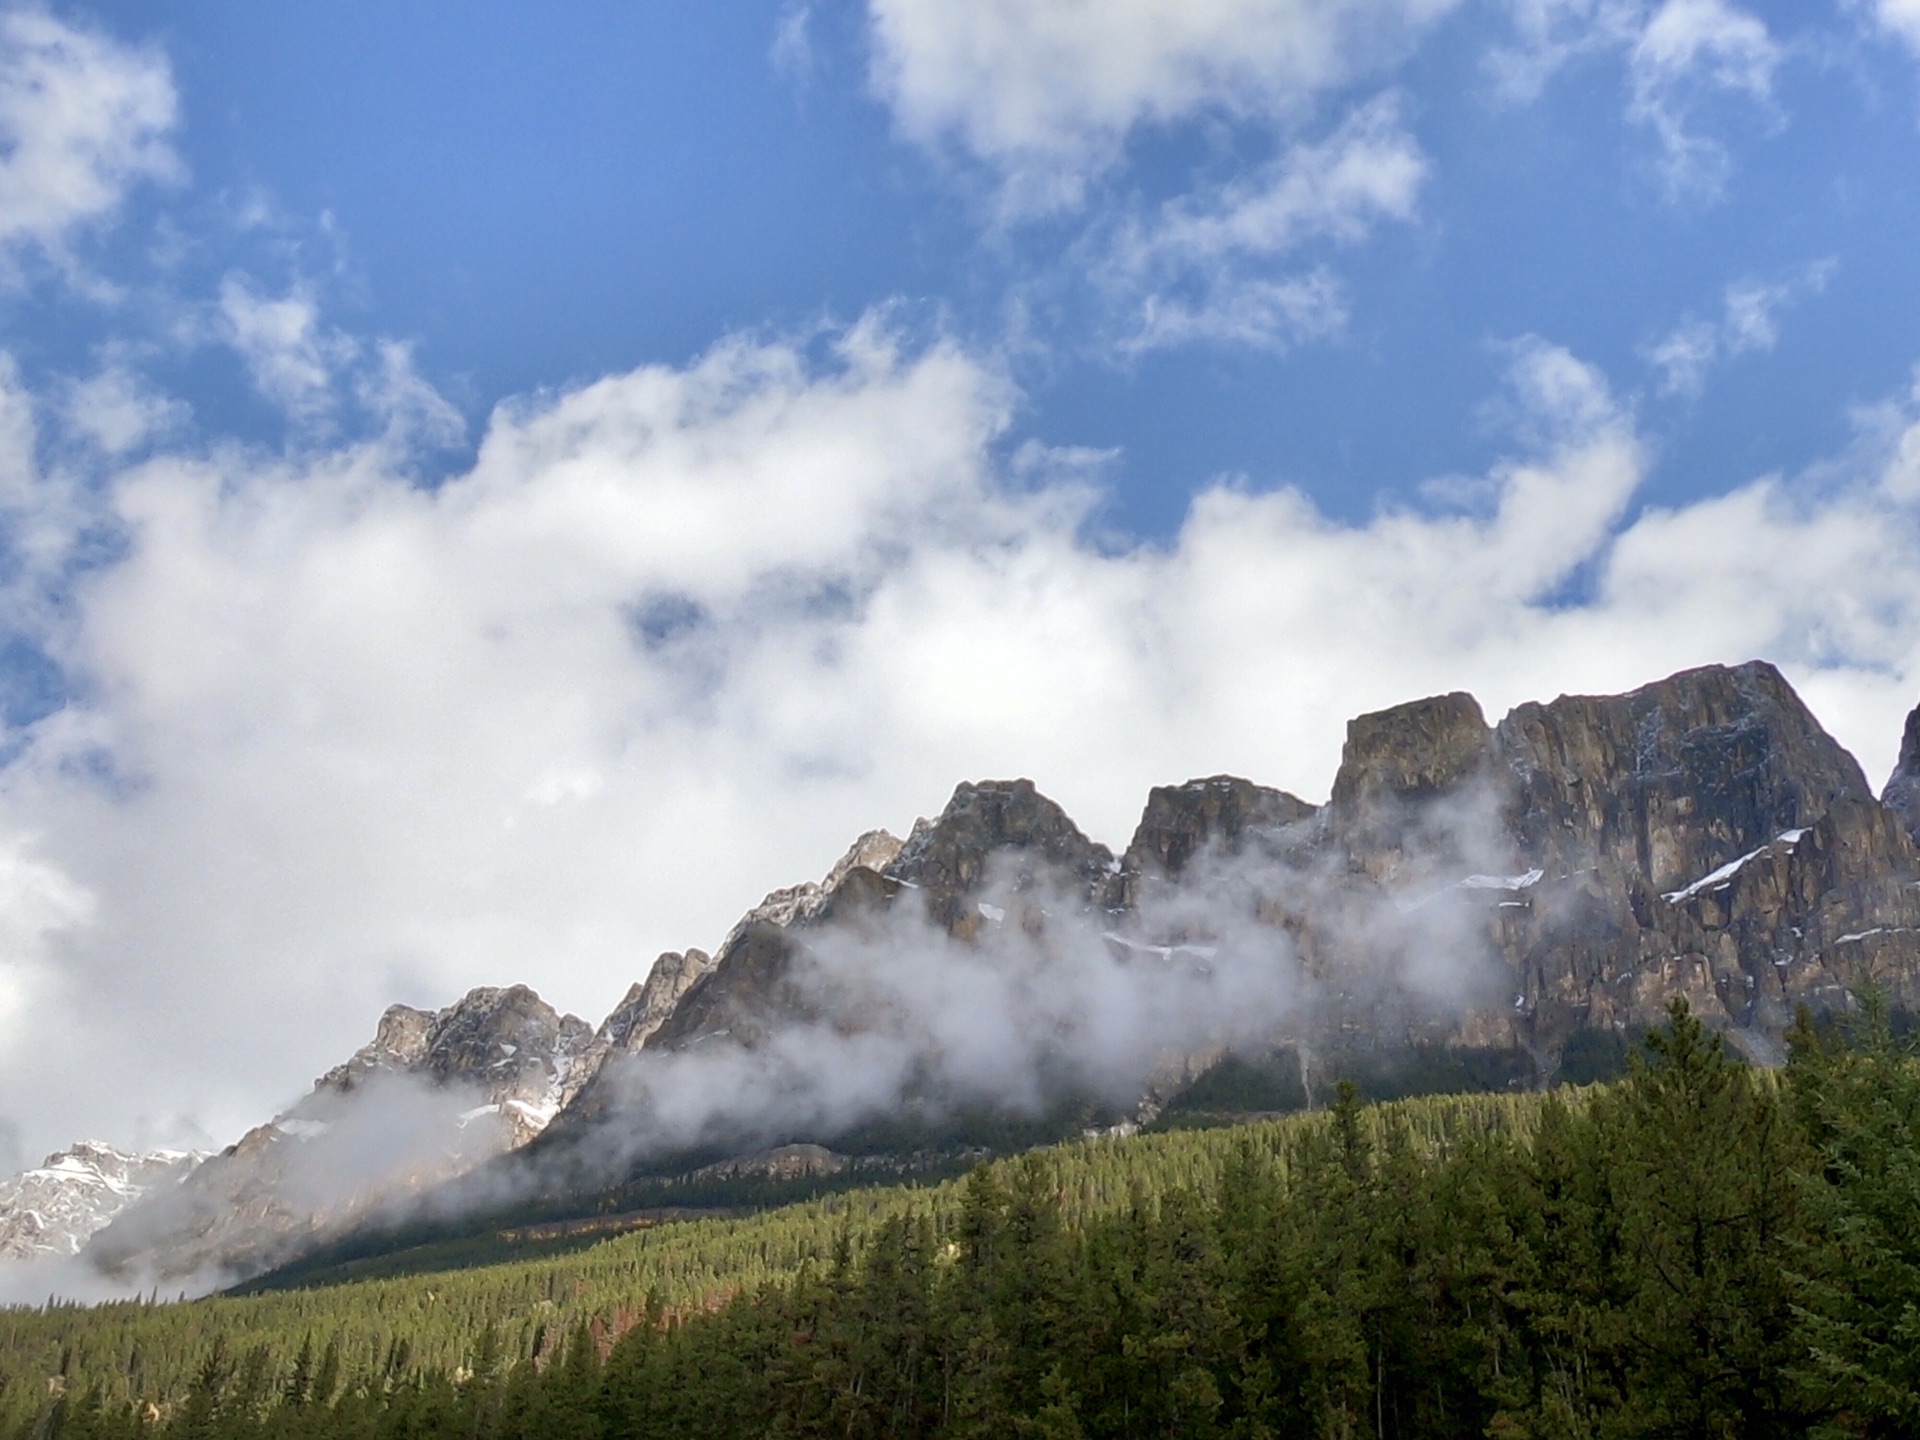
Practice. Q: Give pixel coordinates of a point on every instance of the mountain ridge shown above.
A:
(1502, 888)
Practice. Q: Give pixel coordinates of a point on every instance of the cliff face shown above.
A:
(1902, 793)
(1202, 819)
(1701, 836)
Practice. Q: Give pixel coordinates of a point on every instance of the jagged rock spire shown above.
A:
(1902, 795)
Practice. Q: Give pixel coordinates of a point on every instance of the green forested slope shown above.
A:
(1698, 1250)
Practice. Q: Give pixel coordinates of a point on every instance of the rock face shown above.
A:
(1567, 871)
(747, 988)
(433, 1095)
(56, 1207)
(1701, 836)
(1902, 794)
(1704, 837)
(998, 836)
(1217, 816)
(648, 1003)
(507, 1045)
(1004, 835)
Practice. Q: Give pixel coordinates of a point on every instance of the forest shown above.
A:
(1698, 1249)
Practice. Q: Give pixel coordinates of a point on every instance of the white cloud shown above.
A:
(792, 50)
(1199, 268)
(1047, 91)
(1680, 56)
(1900, 18)
(292, 359)
(117, 410)
(1750, 321)
(678, 635)
(1235, 310)
(1551, 34)
(1370, 168)
(83, 119)
(1690, 49)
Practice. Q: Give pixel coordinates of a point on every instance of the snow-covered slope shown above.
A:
(54, 1208)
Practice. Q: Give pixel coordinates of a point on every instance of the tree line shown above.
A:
(1698, 1250)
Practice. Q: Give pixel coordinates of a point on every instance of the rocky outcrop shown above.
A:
(647, 1004)
(517, 1056)
(740, 993)
(999, 838)
(1902, 792)
(54, 1208)
(1701, 836)
(1002, 836)
(783, 1162)
(433, 1095)
(1219, 816)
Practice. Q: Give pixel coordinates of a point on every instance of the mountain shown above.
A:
(1586, 860)
(433, 1095)
(56, 1207)
(1476, 903)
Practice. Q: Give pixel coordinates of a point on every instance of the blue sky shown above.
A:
(487, 491)
(534, 200)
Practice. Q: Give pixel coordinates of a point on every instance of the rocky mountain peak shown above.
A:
(1676, 777)
(54, 1208)
(504, 1041)
(1220, 814)
(1003, 831)
(1902, 795)
(1417, 795)
(795, 904)
(432, 1096)
(648, 1003)
(1409, 753)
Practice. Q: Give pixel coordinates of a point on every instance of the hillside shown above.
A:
(1700, 1249)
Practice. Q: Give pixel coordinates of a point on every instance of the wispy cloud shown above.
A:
(1680, 57)
(1046, 94)
(1202, 266)
(792, 50)
(1898, 18)
(83, 119)
(1749, 321)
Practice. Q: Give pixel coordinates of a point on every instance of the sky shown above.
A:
(488, 491)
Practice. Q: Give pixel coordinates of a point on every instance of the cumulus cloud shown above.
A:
(1681, 57)
(1749, 321)
(339, 739)
(83, 119)
(1047, 93)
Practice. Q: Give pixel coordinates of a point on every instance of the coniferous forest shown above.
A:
(1699, 1249)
